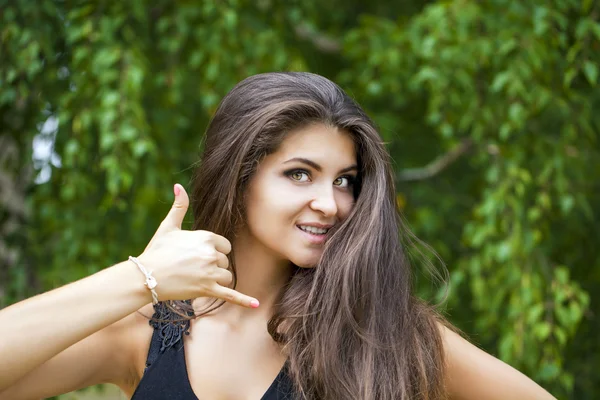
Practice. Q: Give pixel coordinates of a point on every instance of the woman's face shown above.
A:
(300, 191)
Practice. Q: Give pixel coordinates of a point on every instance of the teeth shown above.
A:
(313, 230)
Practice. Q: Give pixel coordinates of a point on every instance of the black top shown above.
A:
(166, 376)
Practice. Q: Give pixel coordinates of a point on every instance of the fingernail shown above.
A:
(176, 190)
(254, 303)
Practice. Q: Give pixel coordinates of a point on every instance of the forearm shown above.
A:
(36, 329)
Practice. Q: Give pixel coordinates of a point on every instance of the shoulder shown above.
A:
(132, 336)
(471, 373)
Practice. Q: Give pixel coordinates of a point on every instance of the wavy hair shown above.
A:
(351, 327)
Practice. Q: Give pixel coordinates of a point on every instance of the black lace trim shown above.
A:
(170, 326)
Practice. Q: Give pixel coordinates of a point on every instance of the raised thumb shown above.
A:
(179, 208)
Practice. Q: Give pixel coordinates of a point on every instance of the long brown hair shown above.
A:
(351, 326)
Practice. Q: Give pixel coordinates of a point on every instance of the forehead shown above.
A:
(324, 144)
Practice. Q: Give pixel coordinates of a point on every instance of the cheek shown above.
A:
(345, 204)
(271, 207)
(276, 199)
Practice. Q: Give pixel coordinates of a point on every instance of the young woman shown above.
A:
(294, 207)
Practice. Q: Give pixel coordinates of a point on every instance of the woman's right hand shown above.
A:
(190, 264)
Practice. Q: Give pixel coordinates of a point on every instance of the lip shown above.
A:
(311, 237)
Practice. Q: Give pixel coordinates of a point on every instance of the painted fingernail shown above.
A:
(254, 303)
(176, 190)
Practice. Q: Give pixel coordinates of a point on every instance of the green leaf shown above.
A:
(549, 372)
(562, 275)
(590, 70)
(542, 330)
(500, 81)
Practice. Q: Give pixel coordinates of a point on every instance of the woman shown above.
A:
(294, 206)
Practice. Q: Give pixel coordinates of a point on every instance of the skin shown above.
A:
(112, 346)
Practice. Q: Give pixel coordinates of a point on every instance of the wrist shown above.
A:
(150, 282)
(135, 279)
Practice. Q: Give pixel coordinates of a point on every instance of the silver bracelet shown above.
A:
(150, 281)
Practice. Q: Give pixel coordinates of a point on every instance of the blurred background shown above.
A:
(487, 108)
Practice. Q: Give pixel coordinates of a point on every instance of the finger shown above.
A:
(180, 205)
(221, 244)
(235, 297)
(224, 277)
(222, 260)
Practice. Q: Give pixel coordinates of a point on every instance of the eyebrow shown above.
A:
(316, 166)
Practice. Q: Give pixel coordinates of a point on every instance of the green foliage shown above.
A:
(501, 94)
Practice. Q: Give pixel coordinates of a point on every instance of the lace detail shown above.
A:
(170, 326)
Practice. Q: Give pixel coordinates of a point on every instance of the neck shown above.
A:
(260, 274)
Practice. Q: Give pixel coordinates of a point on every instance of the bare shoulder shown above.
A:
(474, 374)
(134, 333)
(128, 340)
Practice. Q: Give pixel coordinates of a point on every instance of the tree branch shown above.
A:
(437, 165)
(321, 41)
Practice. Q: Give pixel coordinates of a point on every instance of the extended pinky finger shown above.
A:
(235, 297)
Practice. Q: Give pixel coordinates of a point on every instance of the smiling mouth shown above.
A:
(312, 230)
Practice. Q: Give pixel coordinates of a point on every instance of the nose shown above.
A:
(324, 201)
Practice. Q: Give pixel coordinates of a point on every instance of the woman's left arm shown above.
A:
(473, 374)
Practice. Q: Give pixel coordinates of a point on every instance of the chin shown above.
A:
(306, 265)
(306, 262)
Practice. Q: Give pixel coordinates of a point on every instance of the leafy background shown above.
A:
(487, 108)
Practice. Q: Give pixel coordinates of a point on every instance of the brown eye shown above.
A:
(342, 181)
(298, 176)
